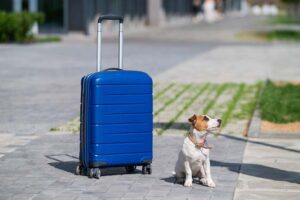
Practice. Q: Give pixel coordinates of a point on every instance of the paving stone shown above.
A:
(263, 177)
(222, 195)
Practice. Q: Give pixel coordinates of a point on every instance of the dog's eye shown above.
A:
(205, 118)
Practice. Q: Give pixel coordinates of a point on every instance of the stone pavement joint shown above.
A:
(10, 142)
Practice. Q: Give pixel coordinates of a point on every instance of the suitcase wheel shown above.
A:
(94, 173)
(130, 169)
(147, 169)
(79, 170)
(97, 173)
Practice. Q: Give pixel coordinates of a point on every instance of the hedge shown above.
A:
(15, 27)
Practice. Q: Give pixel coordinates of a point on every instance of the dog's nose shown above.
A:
(220, 121)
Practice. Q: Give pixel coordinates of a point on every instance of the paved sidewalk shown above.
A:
(44, 169)
(243, 63)
(10, 142)
(270, 170)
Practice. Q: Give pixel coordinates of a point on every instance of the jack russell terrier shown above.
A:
(193, 159)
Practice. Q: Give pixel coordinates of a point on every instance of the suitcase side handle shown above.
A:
(99, 33)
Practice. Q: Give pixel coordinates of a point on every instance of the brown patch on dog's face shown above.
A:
(199, 122)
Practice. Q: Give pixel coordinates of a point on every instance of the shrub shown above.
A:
(16, 26)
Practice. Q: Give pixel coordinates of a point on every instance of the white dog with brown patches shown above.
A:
(193, 159)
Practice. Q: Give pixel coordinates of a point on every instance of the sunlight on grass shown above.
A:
(283, 19)
(280, 103)
(284, 35)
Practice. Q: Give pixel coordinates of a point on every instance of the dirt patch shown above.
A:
(267, 127)
(284, 83)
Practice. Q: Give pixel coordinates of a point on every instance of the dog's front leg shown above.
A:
(188, 174)
(207, 180)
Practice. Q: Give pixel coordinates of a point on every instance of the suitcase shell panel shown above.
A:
(121, 109)
(116, 119)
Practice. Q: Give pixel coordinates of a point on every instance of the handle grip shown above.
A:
(110, 17)
(99, 33)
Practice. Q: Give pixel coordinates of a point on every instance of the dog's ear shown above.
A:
(193, 119)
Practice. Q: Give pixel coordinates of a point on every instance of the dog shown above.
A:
(193, 159)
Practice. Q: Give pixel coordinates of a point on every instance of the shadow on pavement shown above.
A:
(61, 163)
(255, 170)
(172, 179)
(260, 143)
(185, 126)
(70, 165)
(260, 171)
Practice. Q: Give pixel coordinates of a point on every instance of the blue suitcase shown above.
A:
(116, 119)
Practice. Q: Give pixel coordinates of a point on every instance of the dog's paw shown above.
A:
(203, 181)
(210, 183)
(188, 183)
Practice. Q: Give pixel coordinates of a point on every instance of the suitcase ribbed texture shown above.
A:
(116, 119)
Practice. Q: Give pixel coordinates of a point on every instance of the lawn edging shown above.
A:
(254, 125)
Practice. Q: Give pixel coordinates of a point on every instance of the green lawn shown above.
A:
(282, 19)
(280, 103)
(283, 35)
(50, 38)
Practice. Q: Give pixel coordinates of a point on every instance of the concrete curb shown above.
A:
(280, 135)
(255, 132)
(254, 127)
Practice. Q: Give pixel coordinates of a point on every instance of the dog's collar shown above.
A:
(193, 139)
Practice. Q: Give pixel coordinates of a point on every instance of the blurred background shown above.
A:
(79, 15)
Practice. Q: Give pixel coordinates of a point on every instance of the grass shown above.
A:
(71, 126)
(47, 39)
(185, 107)
(282, 19)
(211, 103)
(247, 108)
(161, 92)
(284, 35)
(170, 101)
(232, 104)
(280, 103)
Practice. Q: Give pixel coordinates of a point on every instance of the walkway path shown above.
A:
(242, 63)
(44, 169)
(270, 170)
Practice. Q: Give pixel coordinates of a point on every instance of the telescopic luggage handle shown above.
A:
(99, 32)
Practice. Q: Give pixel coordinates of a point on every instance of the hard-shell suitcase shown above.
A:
(116, 119)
